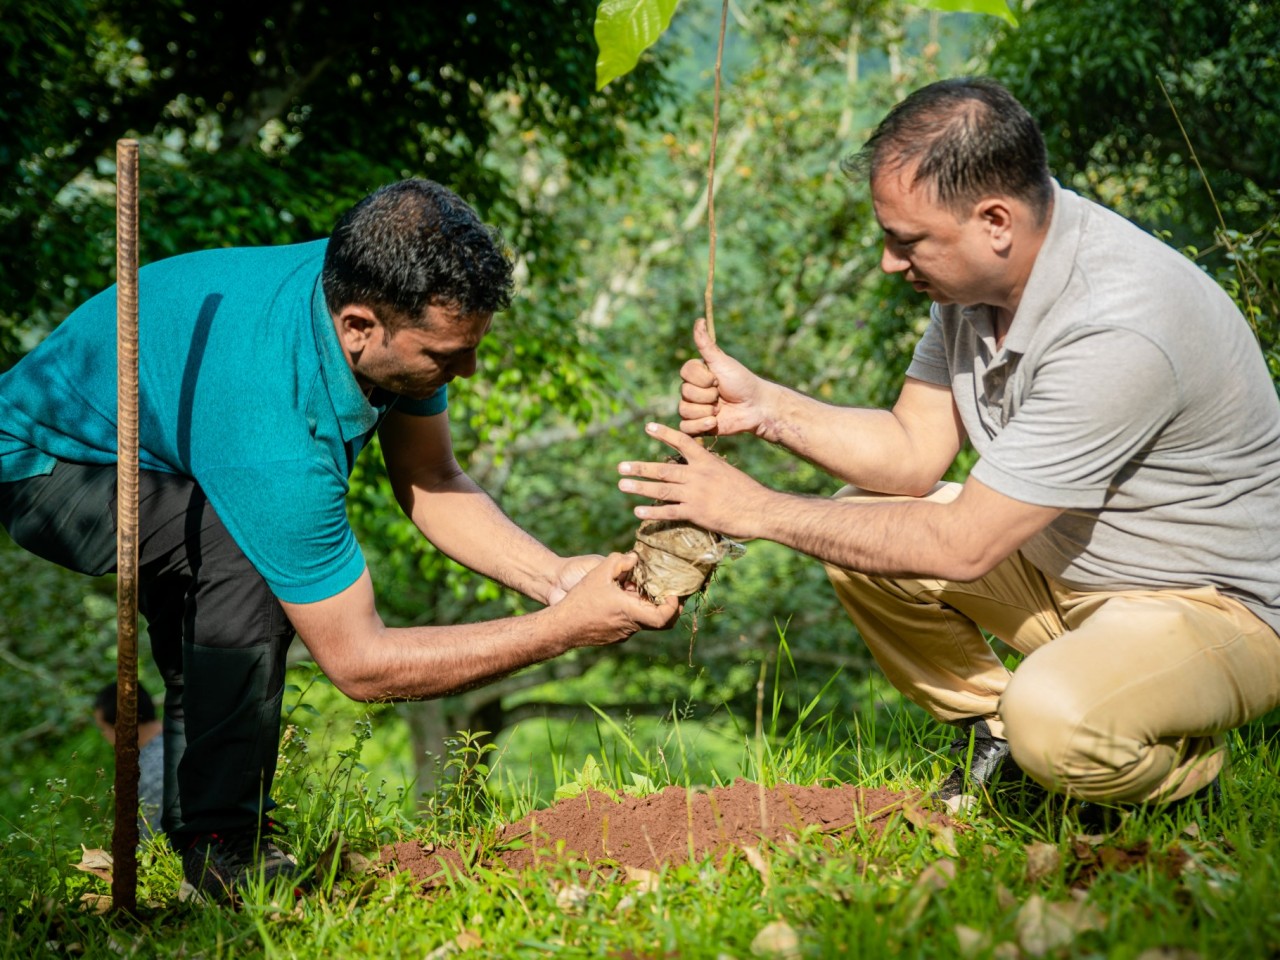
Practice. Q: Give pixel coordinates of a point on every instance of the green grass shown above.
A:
(1203, 881)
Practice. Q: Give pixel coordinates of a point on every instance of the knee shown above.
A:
(1043, 717)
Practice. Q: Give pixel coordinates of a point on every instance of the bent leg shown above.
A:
(218, 635)
(220, 639)
(926, 634)
(1129, 705)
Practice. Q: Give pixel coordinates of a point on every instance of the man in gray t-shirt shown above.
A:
(1122, 525)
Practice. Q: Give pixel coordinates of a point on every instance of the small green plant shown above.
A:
(463, 801)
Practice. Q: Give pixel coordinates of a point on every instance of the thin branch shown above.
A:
(711, 178)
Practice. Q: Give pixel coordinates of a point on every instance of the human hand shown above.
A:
(718, 395)
(605, 608)
(706, 489)
(570, 572)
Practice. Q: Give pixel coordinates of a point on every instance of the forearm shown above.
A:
(422, 663)
(890, 538)
(368, 660)
(462, 520)
(868, 448)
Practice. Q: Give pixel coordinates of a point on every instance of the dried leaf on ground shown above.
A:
(971, 942)
(1043, 926)
(757, 861)
(1043, 860)
(99, 903)
(466, 940)
(97, 862)
(777, 939)
(646, 881)
(936, 876)
(572, 898)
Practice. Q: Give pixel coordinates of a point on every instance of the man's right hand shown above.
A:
(719, 396)
(603, 608)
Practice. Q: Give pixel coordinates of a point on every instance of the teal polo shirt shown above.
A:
(243, 387)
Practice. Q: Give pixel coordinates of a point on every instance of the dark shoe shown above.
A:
(216, 866)
(981, 759)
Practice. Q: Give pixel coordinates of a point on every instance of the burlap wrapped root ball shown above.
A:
(677, 558)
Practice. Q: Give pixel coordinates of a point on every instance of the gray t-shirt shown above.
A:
(1130, 391)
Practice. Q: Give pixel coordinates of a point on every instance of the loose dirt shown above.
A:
(675, 826)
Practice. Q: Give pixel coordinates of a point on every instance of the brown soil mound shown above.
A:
(676, 825)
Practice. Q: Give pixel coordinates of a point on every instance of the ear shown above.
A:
(357, 325)
(996, 214)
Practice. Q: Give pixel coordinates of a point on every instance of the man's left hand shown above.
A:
(706, 489)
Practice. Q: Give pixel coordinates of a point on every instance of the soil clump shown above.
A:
(674, 826)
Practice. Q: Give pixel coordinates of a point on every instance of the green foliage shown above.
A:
(1092, 73)
(1252, 278)
(260, 123)
(994, 8)
(625, 29)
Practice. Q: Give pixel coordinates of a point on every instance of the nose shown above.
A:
(891, 262)
(464, 366)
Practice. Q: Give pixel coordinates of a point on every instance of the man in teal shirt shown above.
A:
(263, 373)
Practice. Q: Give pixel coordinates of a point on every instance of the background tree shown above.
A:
(260, 124)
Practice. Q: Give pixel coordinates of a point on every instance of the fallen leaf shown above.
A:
(96, 862)
(936, 876)
(96, 902)
(1043, 926)
(353, 862)
(1005, 900)
(646, 881)
(944, 839)
(757, 860)
(572, 898)
(330, 856)
(915, 816)
(466, 940)
(1043, 860)
(777, 939)
(970, 942)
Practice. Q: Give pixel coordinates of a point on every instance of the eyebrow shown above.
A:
(897, 237)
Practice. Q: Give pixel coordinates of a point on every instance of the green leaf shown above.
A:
(624, 30)
(995, 8)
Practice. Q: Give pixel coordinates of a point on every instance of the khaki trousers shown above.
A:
(1122, 696)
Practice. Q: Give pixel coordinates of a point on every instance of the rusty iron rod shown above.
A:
(124, 840)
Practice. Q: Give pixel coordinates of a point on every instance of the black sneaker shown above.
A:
(216, 866)
(981, 755)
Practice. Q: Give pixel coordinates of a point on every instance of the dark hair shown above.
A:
(970, 137)
(106, 702)
(412, 245)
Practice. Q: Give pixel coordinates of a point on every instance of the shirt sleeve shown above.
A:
(438, 402)
(929, 362)
(290, 519)
(1094, 406)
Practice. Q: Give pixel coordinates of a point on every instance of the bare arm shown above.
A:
(368, 660)
(905, 450)
(961, 540)
(459, 518)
